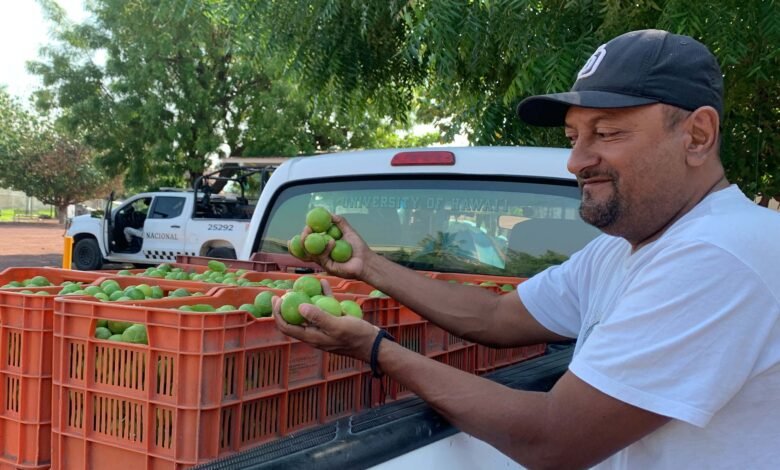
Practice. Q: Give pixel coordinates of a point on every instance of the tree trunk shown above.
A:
(62, 213)
(764, 202)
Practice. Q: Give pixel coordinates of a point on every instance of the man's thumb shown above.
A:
(312, 314)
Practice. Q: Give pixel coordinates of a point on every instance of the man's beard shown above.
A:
(602, 214)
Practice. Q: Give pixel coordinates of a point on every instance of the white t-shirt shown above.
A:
(687, 327)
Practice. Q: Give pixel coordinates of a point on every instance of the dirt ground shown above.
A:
(31, 244)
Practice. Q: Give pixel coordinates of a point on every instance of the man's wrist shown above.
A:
(381, 336)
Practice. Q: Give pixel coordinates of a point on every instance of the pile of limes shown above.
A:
(323, 230)
(110, 291)
(37, 281)
(308, 290)
(125, 332)
(217, 273)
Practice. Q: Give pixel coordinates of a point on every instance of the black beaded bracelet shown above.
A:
(375, 352)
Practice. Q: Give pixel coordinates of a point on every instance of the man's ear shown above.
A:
(702, 127)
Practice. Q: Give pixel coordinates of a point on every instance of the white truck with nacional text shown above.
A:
(148, 228)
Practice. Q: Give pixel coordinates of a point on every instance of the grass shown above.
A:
(7, 215)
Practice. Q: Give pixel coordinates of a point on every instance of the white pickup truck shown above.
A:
(148, 228)
(491, 211)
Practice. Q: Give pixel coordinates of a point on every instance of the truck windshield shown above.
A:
(501, 227)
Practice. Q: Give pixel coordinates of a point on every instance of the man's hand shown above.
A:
(356, 266)
(345, 335)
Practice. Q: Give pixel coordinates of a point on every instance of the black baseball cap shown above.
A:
(634, 69)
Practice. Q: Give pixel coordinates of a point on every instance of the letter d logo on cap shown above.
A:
(593, 63)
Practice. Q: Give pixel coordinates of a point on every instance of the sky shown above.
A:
(23, 30)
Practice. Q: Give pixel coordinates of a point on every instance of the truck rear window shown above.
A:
(499, 227)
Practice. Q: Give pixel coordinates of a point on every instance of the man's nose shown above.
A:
(582, 156)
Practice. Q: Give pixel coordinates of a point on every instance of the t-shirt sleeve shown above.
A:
(684, 337)
(551, 297)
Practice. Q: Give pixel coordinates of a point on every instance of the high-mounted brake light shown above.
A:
(423, 158)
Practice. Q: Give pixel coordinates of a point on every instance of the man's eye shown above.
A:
(607, 134)
(572, 139)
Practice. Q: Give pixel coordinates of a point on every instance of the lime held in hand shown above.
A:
(291, 301)
(315, 243)
(351, 308)
(295, 247)
(330, 305)
(309, 285)
(319, 219)
(341, 252)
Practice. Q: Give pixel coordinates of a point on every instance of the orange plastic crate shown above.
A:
(462, 358)
(207, 385)
(190, 268)
(480, 278)
(25, 378)
(490, 359)
(55, 275)
(26, 323)
(335, 282)
(281, 262)
(232, 264)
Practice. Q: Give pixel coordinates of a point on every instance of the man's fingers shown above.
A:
(326, 289)
(314, 316)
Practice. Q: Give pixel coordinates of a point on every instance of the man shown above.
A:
(675, 308)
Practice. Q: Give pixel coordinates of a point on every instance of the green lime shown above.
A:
(342, 251)
(102, 296)
(263, 302)
(309, 285)
(156, 274)
(92, 290)
(146, 289)
(135, 333)
(217, 266)
(39, 281)
(315, 298)
(69, 289)
(295, 247)
(377, 293)
(330, 305)
(135, 294)
(291, 301)
(115, 338)
(203, 308)
(102, 323)
(124, 272)
(123, 298)
(117, 327)
(488, 284)
(157, 292)
(252, 309)
(335, 232)
(102, 333)
(226, 308)
(164, 267)
(319, 219)
(111, 288)
(186, 308)
(351, 308)
(41, 292)
(108, 282)
(180, 292)
(507, 287)
(315, 243)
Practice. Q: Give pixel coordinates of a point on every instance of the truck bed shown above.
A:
(375, 436)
